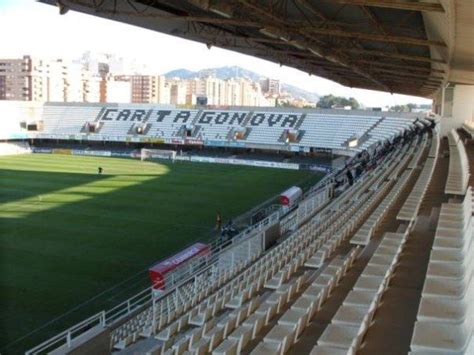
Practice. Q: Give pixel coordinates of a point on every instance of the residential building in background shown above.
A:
(147, 89)
(178, 92)
(116, 88)
(270, 86)
(22, 79)
(107, 78)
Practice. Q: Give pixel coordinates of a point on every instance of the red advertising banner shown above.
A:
(159, 271)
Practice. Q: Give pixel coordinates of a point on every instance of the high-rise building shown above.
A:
(116, 88)
(22, 79)
(91, 87)
(149, 89)
(270, 86)
(33, 79)
(178, 92)
(233, 94)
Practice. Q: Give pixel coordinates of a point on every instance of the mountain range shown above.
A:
(238, 72)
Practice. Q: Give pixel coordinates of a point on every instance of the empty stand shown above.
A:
(353, 318)
(64, 119)
(445, 317)
(409, 211)
(316, 130)
(458, 175)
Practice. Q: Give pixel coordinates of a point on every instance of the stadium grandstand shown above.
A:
(343, 134)
(374, 258)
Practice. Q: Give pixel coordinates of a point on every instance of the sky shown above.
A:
(38, 30)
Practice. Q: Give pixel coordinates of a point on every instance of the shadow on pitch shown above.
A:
(23, 184)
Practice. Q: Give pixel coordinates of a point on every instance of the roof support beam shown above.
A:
(397, 56)
(397, 4)
(401, 66)
(378, 37)
(403, 80)
(311, 9)
(343, 49)
(405, 74)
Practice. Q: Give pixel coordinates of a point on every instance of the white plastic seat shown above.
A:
(256, 322)
(227, 347)
(281, 334)
(350, 314)
(338, 336)
(440, 338)
(242, 335)
(330, 350)
(359, 297)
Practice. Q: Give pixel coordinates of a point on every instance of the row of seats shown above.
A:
(387, 129)
(332, 131)
(360, 213)
(416, 158)
(435, 142)
(458, 174)
(67, 120)
(445, 319)
(406, 153)
(184, 300)
(468, 127)
(410, 208)
(350, 323)
(366, 231)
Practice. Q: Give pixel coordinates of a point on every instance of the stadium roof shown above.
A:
(402, 46)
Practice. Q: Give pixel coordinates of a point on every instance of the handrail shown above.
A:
(67, 335)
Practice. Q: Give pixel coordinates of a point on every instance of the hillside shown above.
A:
(238, 72)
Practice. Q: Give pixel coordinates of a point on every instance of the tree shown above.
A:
(330, 101)
(287, 104)
(404, 108)
(411, 107)
(397, 108)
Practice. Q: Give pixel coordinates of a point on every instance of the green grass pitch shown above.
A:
(67, 234)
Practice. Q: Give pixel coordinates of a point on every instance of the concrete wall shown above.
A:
(462, 109)
(94, 342)
(12, 113)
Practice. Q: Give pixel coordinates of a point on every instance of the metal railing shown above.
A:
(66, 337)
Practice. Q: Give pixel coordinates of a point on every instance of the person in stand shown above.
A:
(218, 221)
(350, 178)
(99, 170)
